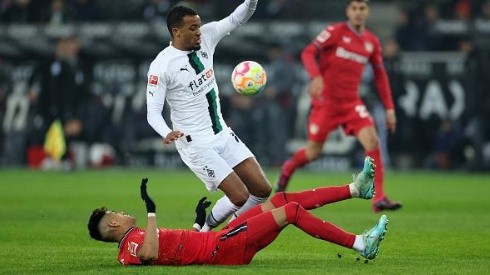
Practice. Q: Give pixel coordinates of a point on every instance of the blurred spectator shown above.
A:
(85, 10)
(485, 10)
(156, 11)
(277, 104)
(63, 91)
(462, 10)
(18, 11)
(58, 13)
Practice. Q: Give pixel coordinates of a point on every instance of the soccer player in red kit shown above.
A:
(243, 237)
(335, 62)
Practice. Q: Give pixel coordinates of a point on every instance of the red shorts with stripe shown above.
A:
(352, 116)
(239, 244)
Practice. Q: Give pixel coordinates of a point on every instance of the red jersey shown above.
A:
(176, 247)
(187, 247)
(339, 54)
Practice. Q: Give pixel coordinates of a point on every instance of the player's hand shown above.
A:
(201, 211)
(316, 87)
(150, 205)
(172, 136)
(391, 120)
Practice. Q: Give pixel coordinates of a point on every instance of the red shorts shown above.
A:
(239, 244)
(352, 116)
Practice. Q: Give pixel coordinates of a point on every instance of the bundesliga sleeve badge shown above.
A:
(153, 80)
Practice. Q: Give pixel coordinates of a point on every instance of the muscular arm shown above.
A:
(148, 252)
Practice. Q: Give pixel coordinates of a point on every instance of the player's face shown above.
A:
(121, 217)
(358, 12)
(189, 35)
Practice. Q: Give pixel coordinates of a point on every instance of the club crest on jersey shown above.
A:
(346, 39)
(369, 47)
(204, 55)
(153, 80)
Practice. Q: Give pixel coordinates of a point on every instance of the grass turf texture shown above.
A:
(443, 227)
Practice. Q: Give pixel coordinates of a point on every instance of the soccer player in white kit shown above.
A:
(183, 74)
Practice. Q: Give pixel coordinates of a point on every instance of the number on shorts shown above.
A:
(362, 111)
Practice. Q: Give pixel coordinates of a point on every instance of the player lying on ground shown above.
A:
(243, 237)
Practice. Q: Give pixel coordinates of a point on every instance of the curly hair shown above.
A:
(176, 15)
(93, 223)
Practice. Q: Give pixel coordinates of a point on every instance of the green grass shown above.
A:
(443, 227)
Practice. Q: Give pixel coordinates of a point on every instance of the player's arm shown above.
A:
(310, 55)
(155, 98)
(148, 253)
(218, 29)
(382, 84)
(201, 213)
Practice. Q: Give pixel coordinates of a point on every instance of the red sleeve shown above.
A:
(381, 78)
(309, 56)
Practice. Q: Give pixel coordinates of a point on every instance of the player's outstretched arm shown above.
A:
(201, 213)
(148, 252)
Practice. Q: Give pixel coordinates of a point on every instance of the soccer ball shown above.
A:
(248, 78)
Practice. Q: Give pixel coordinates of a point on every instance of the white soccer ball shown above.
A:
(248, 78)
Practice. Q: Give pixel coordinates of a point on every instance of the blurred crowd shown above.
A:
(102, 109)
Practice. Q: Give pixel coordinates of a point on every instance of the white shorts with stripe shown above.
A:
(213, 160)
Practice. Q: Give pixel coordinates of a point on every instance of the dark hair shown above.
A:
(176, 16)
(93, 223)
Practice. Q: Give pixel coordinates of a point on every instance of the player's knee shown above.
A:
(239, 200)
(371, 144)
(279, 199)
(293, 209)
(314, 153)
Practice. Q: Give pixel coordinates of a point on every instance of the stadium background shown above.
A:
(436, 52)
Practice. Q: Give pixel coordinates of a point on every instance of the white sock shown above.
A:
(359, 244)
(222, 209)
(353, 190)
(251, 202)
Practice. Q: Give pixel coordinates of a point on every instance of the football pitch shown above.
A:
(443, 227)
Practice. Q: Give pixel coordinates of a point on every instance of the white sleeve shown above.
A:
(218, 29)
(155, 119)
(155, 99)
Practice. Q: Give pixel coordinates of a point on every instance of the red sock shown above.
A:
(379, 174)
(317, 228)
(298, 160)
(314, 198)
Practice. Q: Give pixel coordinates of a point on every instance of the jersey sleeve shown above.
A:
(381, 77)
(128, 255)
(155, 98)
(309, 56)
(218, 29)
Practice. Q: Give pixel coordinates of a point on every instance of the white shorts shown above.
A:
(212, 161)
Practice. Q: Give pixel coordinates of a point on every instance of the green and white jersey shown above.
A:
(186, 79)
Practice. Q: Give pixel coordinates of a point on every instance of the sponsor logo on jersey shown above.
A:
(346, 39)
(153, 80)
(203, 79)
(133, 248)
(369, 47)
(345, 54)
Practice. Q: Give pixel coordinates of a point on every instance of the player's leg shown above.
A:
(367, 243)
(236, 195)
(368, 138)
(319, 126)
(237, 155)
(362, 187)
(216, 174)
(256, 182)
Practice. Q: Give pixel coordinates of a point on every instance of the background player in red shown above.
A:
(242, 238)
(335, 62)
